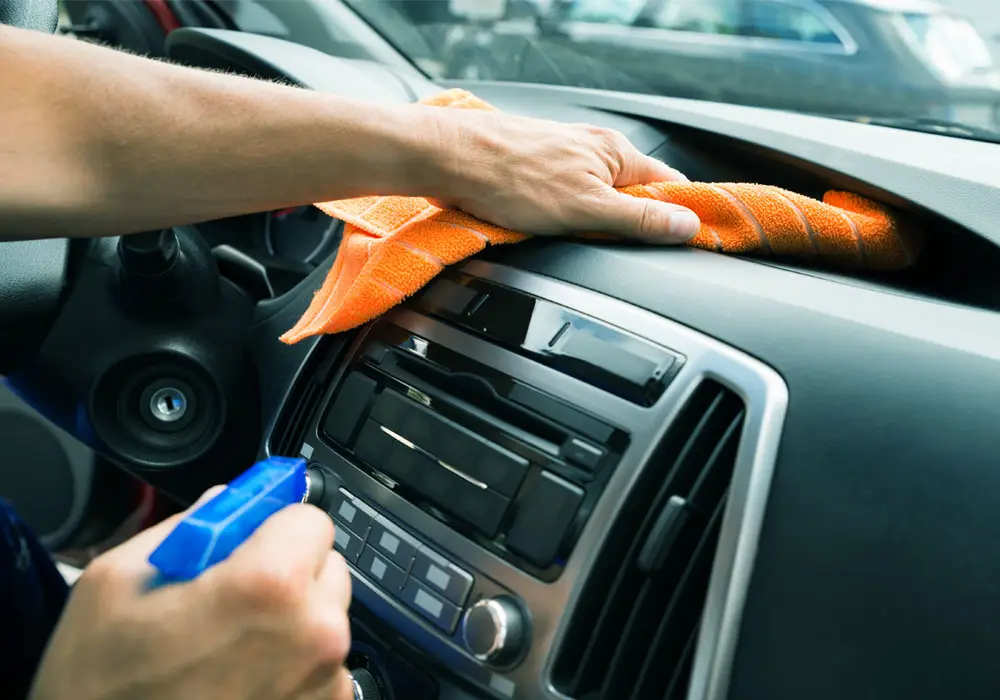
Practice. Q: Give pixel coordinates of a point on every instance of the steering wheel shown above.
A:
(138, 346)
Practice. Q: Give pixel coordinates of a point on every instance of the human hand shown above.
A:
(270, 622)
(548, 178)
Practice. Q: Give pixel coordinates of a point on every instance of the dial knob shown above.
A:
(494, 630)
(365, 686)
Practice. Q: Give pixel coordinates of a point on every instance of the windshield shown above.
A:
(907, 63)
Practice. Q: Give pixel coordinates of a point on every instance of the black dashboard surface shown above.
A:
(875, 575)
(874, 572)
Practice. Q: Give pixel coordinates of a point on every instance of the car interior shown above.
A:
(568, 469)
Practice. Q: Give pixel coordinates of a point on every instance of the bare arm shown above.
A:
(97, 142)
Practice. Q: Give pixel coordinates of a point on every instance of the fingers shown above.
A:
(640, 169)
(334, 582)
(343, 686)
(296, 540)
(647, 220)
(439, 203)
(339, 687)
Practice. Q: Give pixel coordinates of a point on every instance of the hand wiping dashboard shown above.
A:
(394, 246)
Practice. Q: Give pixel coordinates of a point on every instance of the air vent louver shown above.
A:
(303, 400)
(633, 632)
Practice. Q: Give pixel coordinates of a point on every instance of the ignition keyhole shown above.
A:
(168, 404)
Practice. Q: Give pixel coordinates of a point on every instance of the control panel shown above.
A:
(514, 469)
(411, 571)
(493, 627)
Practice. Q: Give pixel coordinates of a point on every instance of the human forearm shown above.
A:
(96, 142)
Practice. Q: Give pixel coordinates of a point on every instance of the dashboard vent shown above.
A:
(303, 400)
(634, 629)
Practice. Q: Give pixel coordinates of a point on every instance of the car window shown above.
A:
(703, 16)
(950, 43)
(782, 20)
(605, 11)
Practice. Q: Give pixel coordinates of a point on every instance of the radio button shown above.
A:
(347, 509)
(440, 612)
(441, 576)
(347, 543)
(545, 515)
(394, 544)
(381, 570)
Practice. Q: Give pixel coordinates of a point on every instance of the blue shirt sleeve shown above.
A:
(32, 596)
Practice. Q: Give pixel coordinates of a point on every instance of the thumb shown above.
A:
(649, 220)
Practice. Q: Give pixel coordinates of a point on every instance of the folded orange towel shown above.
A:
(393, 246)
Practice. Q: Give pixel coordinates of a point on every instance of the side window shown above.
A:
(784, 20)
(702, 16)
(622, 12)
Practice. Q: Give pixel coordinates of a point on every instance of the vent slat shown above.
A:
(646, 614)
(291, 439)
(630, 635)
(681, 616)
(678, 688)
(303, 400)
(627, 582)
(714, 479)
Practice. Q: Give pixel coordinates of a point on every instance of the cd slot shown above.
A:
(449, 486)
(472, 398)
(481, 462)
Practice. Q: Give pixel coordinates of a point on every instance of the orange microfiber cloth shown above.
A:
(393, 246)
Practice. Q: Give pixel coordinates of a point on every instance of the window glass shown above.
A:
(951, 43)
(781, 20)
(604, 11)
(704, 16)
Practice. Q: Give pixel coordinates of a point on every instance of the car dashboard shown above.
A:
(583, 470)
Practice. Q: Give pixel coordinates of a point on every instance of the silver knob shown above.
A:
(495, 630)
(365, 687)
